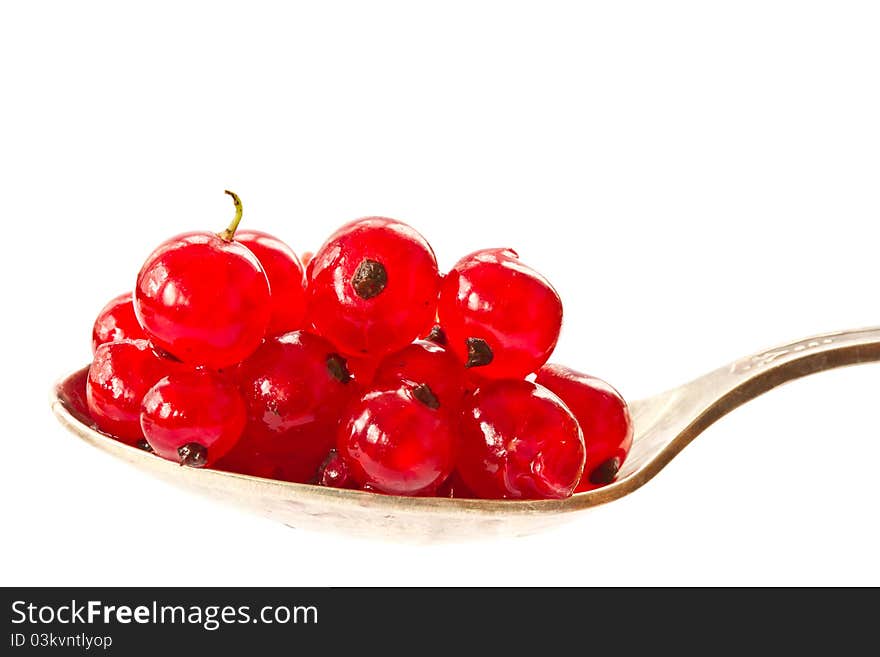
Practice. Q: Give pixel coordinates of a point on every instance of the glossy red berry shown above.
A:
(519, 441)
(120, 375)
(116, 321)
(193, 417)
(424, 362)
(394, 443)
(603, 416)
(373, 287)
(287, 281)
(204, 298)
(293, 380)
(334, 472)
(499, 315)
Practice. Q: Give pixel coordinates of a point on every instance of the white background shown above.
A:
(699, 180)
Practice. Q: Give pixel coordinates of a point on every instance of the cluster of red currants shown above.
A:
(359, 367)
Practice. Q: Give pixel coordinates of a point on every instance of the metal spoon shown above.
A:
(664, 424)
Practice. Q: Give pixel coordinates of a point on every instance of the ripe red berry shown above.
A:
(519, 441)
(394, 443)
(287, 281)
(373, 287)
(204, 298)
(428, 363)
(499, 315)
(193, 417)
(116, 321)
(603, 416)
(334, 472)
(120, 375)
(290, 381)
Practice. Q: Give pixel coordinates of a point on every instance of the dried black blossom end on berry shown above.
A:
(370, 279)
(437, 336)
(605, 472)
(479, 353)
(144, 445)
(424, 394)
(193, 455)
(338, 368)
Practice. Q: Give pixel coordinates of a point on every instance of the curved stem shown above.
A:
(228, 234)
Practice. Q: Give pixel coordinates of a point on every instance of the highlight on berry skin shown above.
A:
(360, 366)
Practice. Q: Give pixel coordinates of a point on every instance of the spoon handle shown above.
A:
(670, 420)
(749, 377)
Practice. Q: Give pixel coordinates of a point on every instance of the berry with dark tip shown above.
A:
(397, 444)
(427, 364)
(499, 315)
(293, 380)
(334, 472)
(193, 417)
(604, 418)
(373, 287)
(519, 441)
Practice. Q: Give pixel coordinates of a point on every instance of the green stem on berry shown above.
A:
(229, 233)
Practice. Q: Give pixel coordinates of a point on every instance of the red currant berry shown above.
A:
(604, 418)
(373, 287)
(334, 472)
(519, 441)
(290, 381)
(287, 281)
(395, 443)
(204, 298)
(119, 377)
(420, 363)
(116, 321)
(193, 417)
(499, 315)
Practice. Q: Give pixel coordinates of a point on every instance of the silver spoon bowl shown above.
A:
(664, 424)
